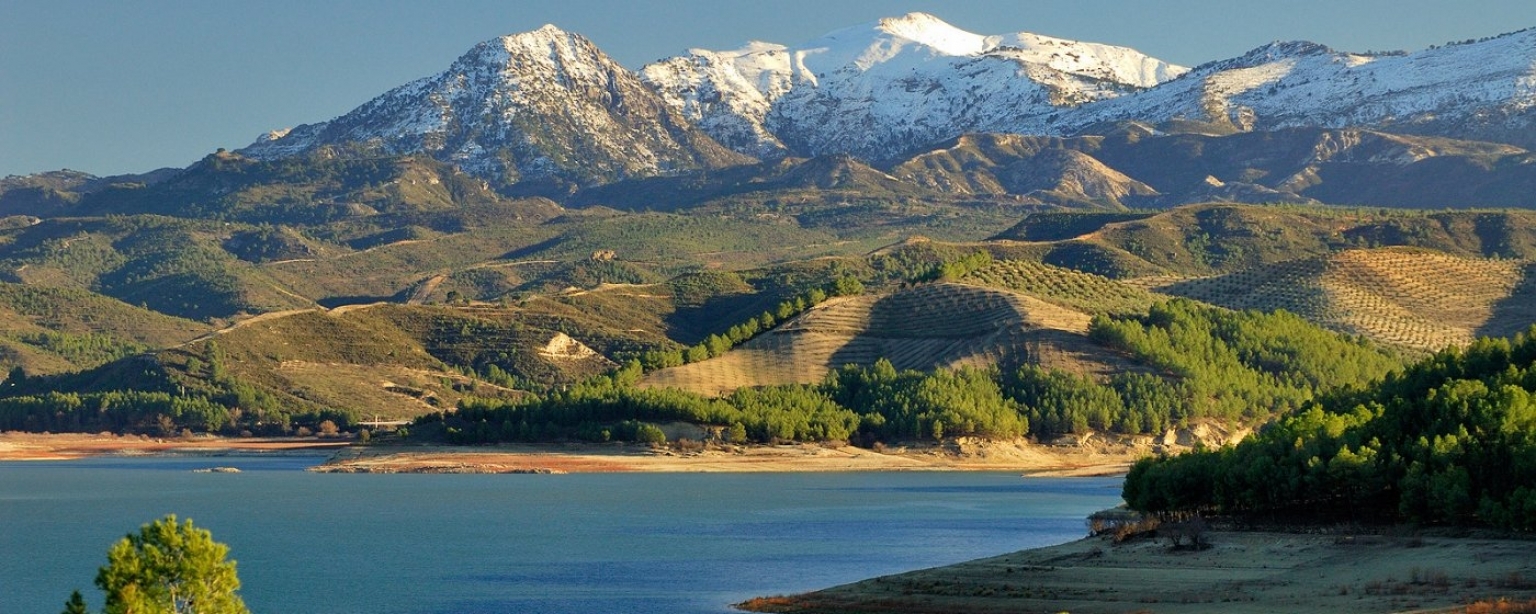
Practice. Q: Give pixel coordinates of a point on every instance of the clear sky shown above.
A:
(115, 87)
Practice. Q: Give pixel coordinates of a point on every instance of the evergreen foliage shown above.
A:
(1242, 366)
(75, 604)
(1216, 362)
(83, 349)
(1450, 440)
(132, 396)
(170, 568)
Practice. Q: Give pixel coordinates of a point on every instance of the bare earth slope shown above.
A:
(1242, 572)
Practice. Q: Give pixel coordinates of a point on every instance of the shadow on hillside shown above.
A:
(690, 324)
(332, 302)
(535, 249)
(1514, 313)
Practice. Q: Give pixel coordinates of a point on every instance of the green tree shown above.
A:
(75, 605)
(170, 568)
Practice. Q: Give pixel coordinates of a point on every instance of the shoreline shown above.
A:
(1027, 458)
(33, 447)
(1030, 459)
(1241, 572)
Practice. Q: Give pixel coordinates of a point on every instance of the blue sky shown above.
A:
(118, 87)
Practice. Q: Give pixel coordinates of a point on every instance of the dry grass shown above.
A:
(388, 391)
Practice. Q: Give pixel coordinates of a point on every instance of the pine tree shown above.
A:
(170, 568)
(75, 605)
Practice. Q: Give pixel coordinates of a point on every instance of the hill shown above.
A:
(278, 370)
(1402, 296)
(924, 328)
(173, 266)
(1179, 366)
(52, 330)
(1448, 440)
(474, 304)
(1133, 165)
(1224, 237)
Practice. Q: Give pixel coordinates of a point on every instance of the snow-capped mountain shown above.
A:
(548, 109)
(1480, 90)
(881, 88)
(544, 105)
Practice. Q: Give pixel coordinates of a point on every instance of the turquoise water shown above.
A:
(596, 543)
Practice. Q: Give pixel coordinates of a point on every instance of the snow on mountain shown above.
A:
(881, 88)
(544, 105)
(1483, 90)
(548, 107)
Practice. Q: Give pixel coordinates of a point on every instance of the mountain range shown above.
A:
(538, 214)
(549, 109)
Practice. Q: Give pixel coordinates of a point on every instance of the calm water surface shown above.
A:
(597, 543)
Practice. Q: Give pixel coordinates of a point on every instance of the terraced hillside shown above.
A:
(924, 327)
(1222, 238)
(1086, 292)
(1407, 297)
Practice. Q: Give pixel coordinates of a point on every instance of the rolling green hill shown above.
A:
(51, 330)
(401, 290)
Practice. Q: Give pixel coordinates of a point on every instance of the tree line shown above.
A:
(718, 344)
(1199, 362)
(207, 398)
(1206, 363)
(1449, 440)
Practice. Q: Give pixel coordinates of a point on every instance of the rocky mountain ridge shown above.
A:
(881, 88)
(547, 108)
(541, 106)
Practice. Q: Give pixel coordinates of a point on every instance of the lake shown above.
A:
(581, 543)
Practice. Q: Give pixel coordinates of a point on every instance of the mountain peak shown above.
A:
(545, 33)
(934, 32)
(545, 106)
(1272, 52)
(886, 86)
(547, 37)
(1285, 49)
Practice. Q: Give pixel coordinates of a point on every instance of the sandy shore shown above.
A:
(1242, 572)
(960, 456)
(66, 446)
(963, 455)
